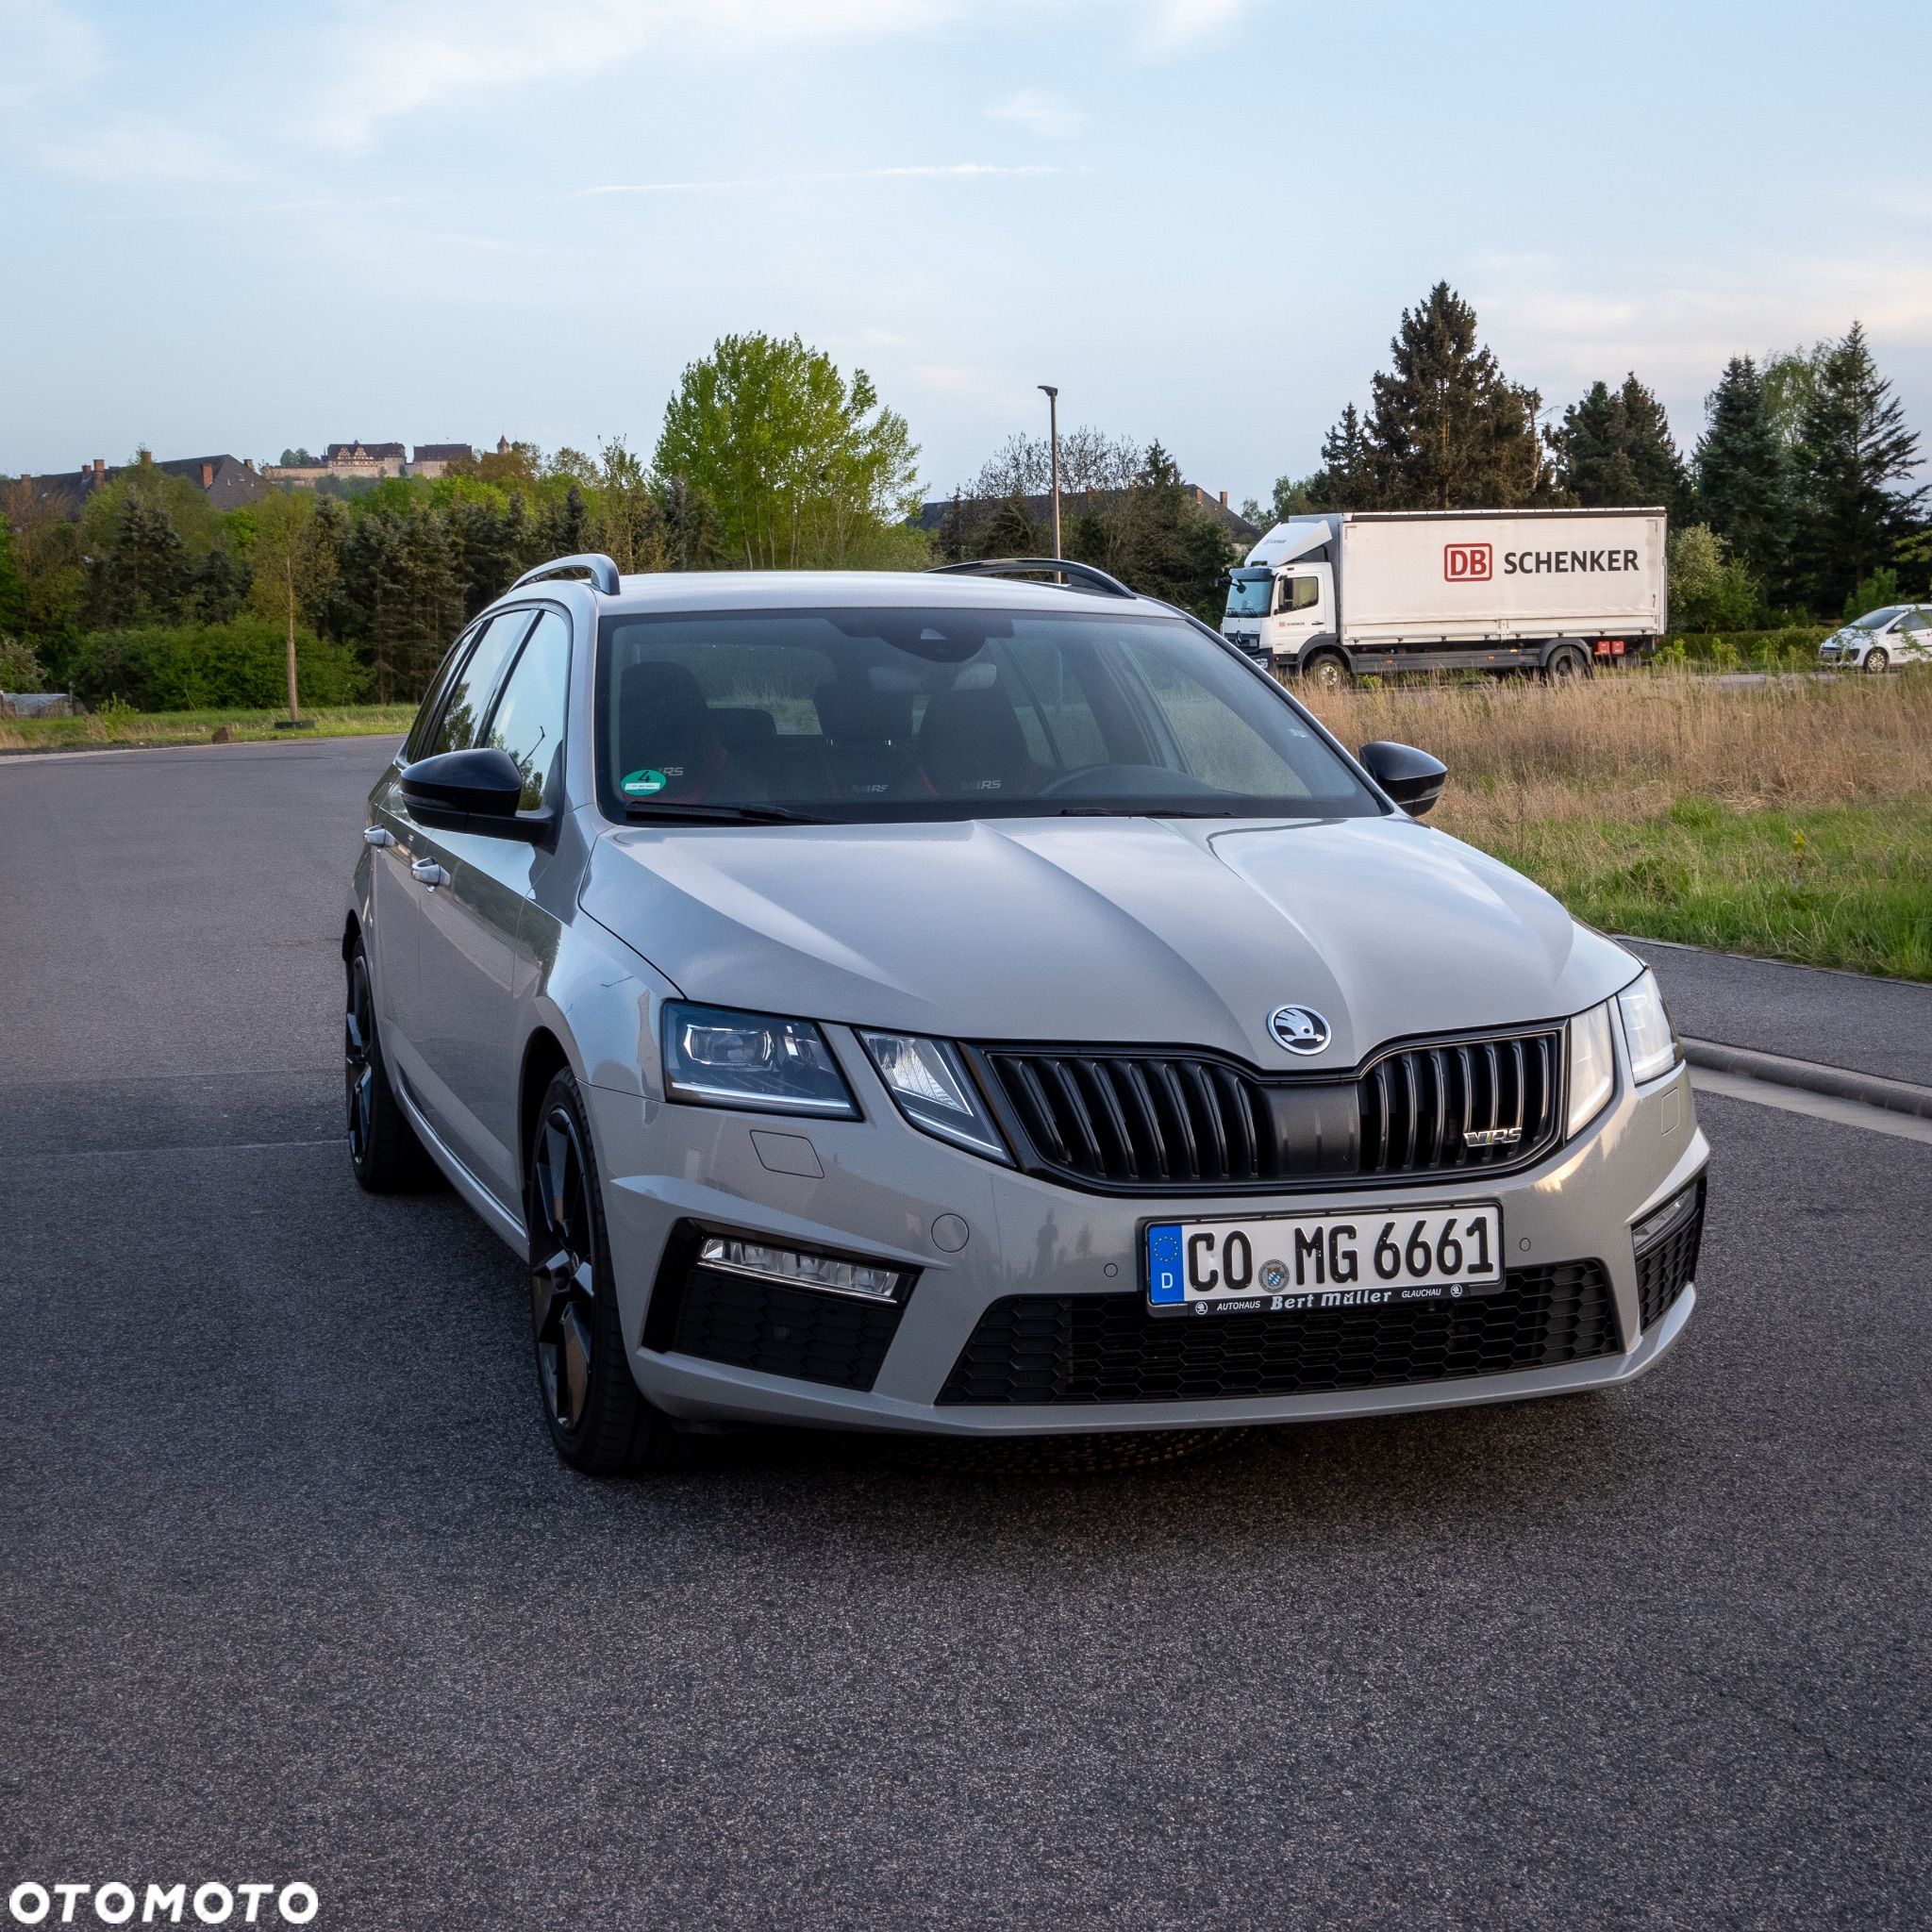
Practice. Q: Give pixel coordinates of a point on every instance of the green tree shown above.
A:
(294, 565)
(1347, 479)
(142, 573)
(693, 537)
(1614, 450)
(1010, 532)
(800, 466)
(1709, 590)
(1446, 430)
(630, 522)
(13, 586)
(1853, 446)
(1789, 379)
(1741, 468)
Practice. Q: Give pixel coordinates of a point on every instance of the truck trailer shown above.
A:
(1551, 590)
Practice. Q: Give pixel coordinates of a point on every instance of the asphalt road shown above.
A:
(292, 1587)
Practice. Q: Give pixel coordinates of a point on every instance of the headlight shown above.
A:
(721, 1058)
(930, 1086)
(1647, 1030)
(1592, 1067)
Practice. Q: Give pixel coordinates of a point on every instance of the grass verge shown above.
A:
(1838, 885)
(1791, 820)
(138, 729)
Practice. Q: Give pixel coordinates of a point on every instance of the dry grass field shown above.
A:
(1791, 818)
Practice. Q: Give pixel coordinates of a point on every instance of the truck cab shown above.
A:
(1281, 604)
(1275, 614)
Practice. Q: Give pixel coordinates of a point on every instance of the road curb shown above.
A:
(1899, 1096)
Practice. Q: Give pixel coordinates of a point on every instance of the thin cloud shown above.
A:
(1050, 116)
(51, 68)
(930, 172)
(1174, 24)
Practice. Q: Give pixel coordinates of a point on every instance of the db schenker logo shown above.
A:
(1466, 563)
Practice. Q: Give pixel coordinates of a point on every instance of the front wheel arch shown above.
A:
(544, 1059)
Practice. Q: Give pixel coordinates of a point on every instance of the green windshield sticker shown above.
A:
(641, 784)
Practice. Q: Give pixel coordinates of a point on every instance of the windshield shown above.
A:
(1247, 592)
(894, 714)
(1877, 619)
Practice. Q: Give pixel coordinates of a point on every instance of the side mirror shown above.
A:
(476, 790)
(1412, 778)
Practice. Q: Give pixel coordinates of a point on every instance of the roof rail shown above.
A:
(1079, 576)
(600, 569)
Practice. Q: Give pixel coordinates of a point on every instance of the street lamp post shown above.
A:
(1052, 418)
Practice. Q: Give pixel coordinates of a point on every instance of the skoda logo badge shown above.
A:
(1301, 1029)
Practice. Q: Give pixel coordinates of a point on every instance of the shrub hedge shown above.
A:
(194, 667)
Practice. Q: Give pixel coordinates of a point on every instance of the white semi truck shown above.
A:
(1551, 590)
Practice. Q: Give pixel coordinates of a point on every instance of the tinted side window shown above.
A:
(528, 719)
(470, 689)
(414, 746)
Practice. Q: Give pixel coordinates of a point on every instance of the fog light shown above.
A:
(1662, 1221)
(801, 1269)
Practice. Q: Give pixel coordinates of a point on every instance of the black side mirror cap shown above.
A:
(476, 790)
(1412, 778)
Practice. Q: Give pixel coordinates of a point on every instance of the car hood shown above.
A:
(1104, 930)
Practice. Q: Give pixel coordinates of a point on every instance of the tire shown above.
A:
(597, 1416)
(1567, 665)
(383, 1148)
(1877, 659)
(1328, 671)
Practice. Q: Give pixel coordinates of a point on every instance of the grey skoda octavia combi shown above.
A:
(967, 1004)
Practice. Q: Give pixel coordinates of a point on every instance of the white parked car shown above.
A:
(1898, 634)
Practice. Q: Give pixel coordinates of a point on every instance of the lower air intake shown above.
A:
(1039, 1351)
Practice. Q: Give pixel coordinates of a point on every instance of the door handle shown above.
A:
(429, 872)
(374, 835)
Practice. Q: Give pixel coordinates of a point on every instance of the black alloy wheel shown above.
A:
(383, 1148)
(358, 1057)
(598, 1419)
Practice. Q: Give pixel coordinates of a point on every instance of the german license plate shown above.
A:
(1289, 1263)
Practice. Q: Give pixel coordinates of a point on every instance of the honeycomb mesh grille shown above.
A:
(1664, 1270)
(1043, 1350)
(777, 1329)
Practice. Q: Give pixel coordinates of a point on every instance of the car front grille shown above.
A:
(1666, 1266)
(766, 1326)
(1049, 1350)
(1132, 1118)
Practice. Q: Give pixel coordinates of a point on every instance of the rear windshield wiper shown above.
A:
(695, 811)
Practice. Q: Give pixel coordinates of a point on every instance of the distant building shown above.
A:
(433, 459)
(227, 482)
(369, 462)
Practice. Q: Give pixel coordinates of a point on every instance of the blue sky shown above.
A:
(242, 226)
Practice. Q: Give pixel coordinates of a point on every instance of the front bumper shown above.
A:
(884, 1186)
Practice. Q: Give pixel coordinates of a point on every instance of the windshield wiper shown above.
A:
(694, 812)
(1148, 811)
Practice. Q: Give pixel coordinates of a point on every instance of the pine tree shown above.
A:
(1742, 482)
(1445, 429)
(1853, 444)
(1346, 479)
(1614, 450)
(143, 574)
